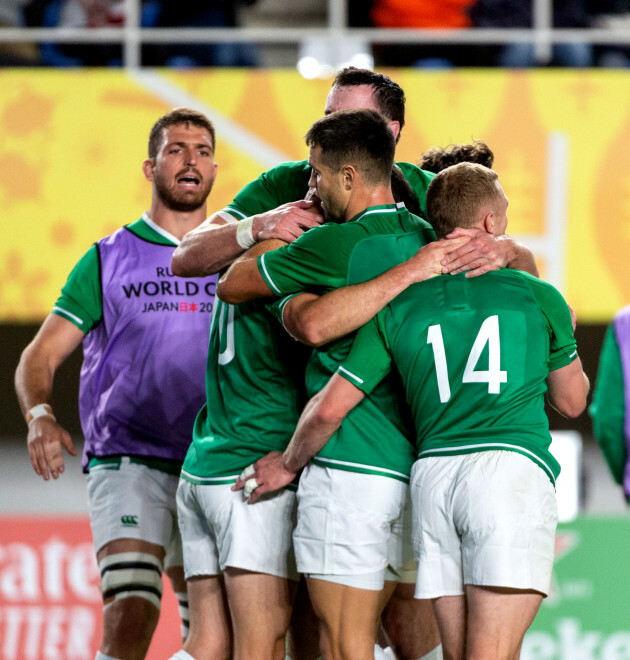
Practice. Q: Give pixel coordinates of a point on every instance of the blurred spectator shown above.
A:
(16, 54)
(610, 409)
(200, 13)
(447, 14)
(154, 13)
(611, 14)
(77, 14)
(519, 14)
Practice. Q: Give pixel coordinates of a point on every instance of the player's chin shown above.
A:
(187, 203)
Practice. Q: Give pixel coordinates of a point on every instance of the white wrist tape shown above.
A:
(40, 410)
(244, 234)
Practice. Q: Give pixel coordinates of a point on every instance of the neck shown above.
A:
(177, 223)
(366, 197)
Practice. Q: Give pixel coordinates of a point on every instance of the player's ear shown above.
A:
(147, 167)
(349, 175)
(395, 127)
(488, 222)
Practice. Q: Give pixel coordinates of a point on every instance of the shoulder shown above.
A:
(297, 170)
(545, 293)
(121, 234)
(414, 174)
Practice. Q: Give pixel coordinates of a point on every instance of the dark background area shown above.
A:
(14, 337)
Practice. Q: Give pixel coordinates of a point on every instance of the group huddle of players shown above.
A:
(373, 417)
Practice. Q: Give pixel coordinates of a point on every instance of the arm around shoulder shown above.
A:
(243, 281)
(520, 257)
(206, 249)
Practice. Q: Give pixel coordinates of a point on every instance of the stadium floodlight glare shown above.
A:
(321, 57)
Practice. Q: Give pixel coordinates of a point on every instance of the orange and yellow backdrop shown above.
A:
(72, 142)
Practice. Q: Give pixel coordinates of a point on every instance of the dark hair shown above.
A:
(438, 158)
(458, 193)
(403, 192)
(361, 138)
(177, 116)
(389, 96)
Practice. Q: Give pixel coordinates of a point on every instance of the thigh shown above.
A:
(410, 623)
(451, 616)
(260, 609)
(132, 501)
(498, 620)
(210, 625)
(348, 618)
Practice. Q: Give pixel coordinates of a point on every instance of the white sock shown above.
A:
(435, 654)
(102, 656)
(182, 655)
(382, 654)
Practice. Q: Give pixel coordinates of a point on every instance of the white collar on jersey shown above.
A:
(159, 230)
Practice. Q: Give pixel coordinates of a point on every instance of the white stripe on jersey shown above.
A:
(270, 281)
(349, 373)
(64, 312)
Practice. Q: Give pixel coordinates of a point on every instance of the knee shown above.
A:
(131, 583)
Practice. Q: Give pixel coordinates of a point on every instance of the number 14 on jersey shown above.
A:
(488, 334)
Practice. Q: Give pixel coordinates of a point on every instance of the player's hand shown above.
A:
(45, 441)
(288, 221)
(483, 253)
(427, 261)
(265, 476)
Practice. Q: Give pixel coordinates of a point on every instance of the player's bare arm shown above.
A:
(316, 320)
(34, 376)
(242, 281)
(321, 417)
(486, 252)
(567, 389)
(215, 244)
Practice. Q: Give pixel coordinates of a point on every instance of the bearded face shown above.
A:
(185, 191)
(183, 171)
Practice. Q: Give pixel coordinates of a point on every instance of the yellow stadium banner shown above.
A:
(72, 144)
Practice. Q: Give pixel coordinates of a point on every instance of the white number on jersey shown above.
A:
(226, 327)
(488, 334)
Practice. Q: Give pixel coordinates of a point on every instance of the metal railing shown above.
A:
(132, 36)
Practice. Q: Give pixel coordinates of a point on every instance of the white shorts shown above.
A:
(351, 524)
(137, 502)
(219, 529)
(487, 518)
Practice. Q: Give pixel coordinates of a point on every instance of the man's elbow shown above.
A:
(229, 293)
(573, 403)
(307, 331)
(178, 264)
(570, 407)
(329, 414)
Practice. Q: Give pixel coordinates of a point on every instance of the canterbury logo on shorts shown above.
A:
(129, 521)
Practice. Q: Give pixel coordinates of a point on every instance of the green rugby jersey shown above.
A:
(474, 355)
(608, 407)
(380, 429)
(254, 381)
(288, 182)
(374, 438)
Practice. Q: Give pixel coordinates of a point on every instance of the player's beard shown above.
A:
(183, 201)
(332, 215)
